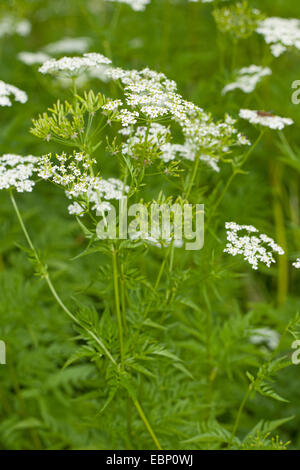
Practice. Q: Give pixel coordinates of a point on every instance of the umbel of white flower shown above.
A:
(247, 78)
(265, 119)
(10, 25)
(151, 96)
(72, 172)
(97, 196)
(31, 58)
(73, 66)
(296, 264)
(280, 33)
(265, 336)
(68, 45)
(16, 172)
(6, 91)
(255, 247)
(137, 5)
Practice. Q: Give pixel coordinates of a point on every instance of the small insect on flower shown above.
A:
(265, 114)
(254, 248)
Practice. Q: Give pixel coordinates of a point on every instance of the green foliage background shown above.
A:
(192, 388)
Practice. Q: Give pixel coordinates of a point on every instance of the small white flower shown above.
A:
(112, 105)
(6, 90)
(280, 33)
(277, 49)
(72, 66)
(265, 119)
(16, 172)
(254, 248)
(137, 5)
(76, 209)
(296, 264)
(265, 335)
(97, 192)
(247, 78)
(127, 117)
(10, 25)
(68, 46)
(152, 94)
(31, 58)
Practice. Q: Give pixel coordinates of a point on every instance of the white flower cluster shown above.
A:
(187, 151)
(128, 118)
(98, 193)
(16, 172)
(265, 119)
(265, 335)
(254, 248)
(137, 5)
(70, 171)
(296, 264)
(10, 25)
(150, 92)
(31, 58)
(155, 136)
(73, 66)
(73, 173)
(247, 78)
(206, 136)
(64, 46)
(151, 96)
(68, 45)
(6, 90)
(112, 105)
(280, 33)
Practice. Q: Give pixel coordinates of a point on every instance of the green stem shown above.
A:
(196, 165)
(275, 169)
(52, 288)
(123, 297)
(147, 424)
(220, 199)
(234, 55)
(161, 270)
(117, 302)
(252, 148)
(236, 170)
(239, 413)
